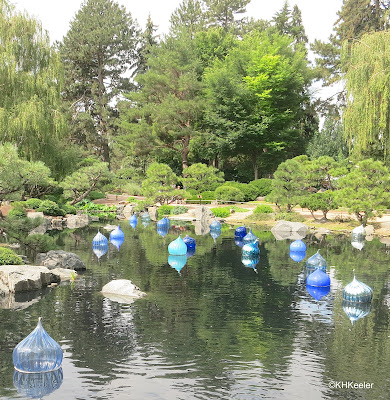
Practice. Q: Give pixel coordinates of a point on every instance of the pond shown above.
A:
(217, 329)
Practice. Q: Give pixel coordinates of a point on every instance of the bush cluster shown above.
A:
(263, 209)
(9, 257)
(221, 212)
(49, 207)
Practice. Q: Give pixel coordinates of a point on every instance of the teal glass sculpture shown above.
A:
(38, 352)
(39, 384)
(177, 262)
(177, 247)
(250, 262)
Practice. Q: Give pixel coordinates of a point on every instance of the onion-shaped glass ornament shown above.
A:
(38, 352)
(100, 250)
(177, 247)
(215, 233)
(39, 384)
(162, 230)
(177, 262)
(297, 256)
(99, 240)
(358, 233)
(250, 262)
(133, 221)
(215, 225)
(116, 234)
(318, 292)
(318, 278)
(117, 242)
(358, 244)
(297, 245)
(164, 223)
(357, 292)
(240, 232)
(145, 215)
(250, 237)
(316, 261)
(189, 241)
(251, 249)
(356, 311)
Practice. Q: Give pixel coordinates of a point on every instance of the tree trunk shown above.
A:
(184, 152)
(255, 166)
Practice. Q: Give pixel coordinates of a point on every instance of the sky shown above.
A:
(318, 16)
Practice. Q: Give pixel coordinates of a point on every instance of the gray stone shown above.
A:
(204, 215)
(122, 291)
(128, 211)
(289, 230)
(120, 211)
(153, 213)
(42, 228)
(60, 259)
(65, 274)
(369, 230)
(35, 214)
(23, 278)
(57, 223)
(77, 221)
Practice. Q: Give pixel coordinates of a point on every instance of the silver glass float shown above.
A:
(99, 240)
(358, 244)
(38, 352)
(358, 233)
(316, 261)
(356, 311)
(250, 237)
(357, 292)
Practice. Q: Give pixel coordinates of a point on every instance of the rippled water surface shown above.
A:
(216, 330)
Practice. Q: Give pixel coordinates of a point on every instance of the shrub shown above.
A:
(262, 186)
(50, 208)
(40, 243)
(94, 195)
(209, 195)
(263, 209)
(9, 257)
(249, 192)
(221, 212)
(239, 209)
(33, 203)
(132, 188)
(290, 216)
(229, 193)
(261, 217)
(202, 177)
(17, 212)
(165, 209)
(176, 210)
(69, 209)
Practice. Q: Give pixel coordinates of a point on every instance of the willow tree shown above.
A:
(31, 81)
(367, 115)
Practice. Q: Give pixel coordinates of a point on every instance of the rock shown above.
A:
(204, 215)
(153, 213)
(289, 230)
(120, 214)
(128, 211)
(78, 221)
(19, 301)
(41, 229)
(65, 274)
(23, 278)
(60, 259)
(369, 230)
(57, 223)
(35, 214)
(122, 291)
(109, 227)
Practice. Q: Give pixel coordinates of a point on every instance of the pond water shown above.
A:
(217, 329)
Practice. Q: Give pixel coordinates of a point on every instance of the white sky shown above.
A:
(318, 15)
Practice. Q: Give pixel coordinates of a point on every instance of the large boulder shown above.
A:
(60, 259)
(153, 214)
(204, 215)
(78, 221)
(23, 278)
(122, 291)
(128, 211)
(289, 230)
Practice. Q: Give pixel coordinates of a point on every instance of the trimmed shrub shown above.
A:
(69, 209)
(262, 186)
(229, 193)
(221, 212)
(176, 210)
(17, 212)
(33, 203)
(209, 195)
(132, 188)
(40, 243)
(94, 195)
(9, 257)
(49, 207)
(165, 209)
(263, 209)
(249, 192)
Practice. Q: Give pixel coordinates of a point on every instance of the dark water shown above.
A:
(217, 330)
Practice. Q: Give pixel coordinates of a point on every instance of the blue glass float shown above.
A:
(297, 256)
(177, 247)
(240, 232)
(215, 233)
(239, 241)
(190, 251)
(133, 221)
(318, 278)
(316, 261)
(177, 262)
(39, 384)
(250, 262)
(251, 249)
(99, 240)
(250, 237)
(357, 292)
(38, 352)
(189, 241)
(164, 223)
(356, 311)
(162, 231)
(215, 225)
(317, 292)
(297, 245)
(117, 233)
(100, 250)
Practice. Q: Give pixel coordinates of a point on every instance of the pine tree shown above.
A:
(189, 16)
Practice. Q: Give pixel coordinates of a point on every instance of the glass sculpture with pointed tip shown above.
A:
(163, 223)
(100, 250)
(318, 292)
(297, 256)
(297, 245)
(117, 234)
(316, 261)
(318, 278)
(250, 237)
(240, 232)
(177, 247)
(133, 221)
(99, 240)
(177, 262)
(215, 225)
(162, 230)
(357, 292)
(39, 384)
(358, 244)
(251, 249)
(189, 241)
(250, 262)
(215, 233)
(356, 311)
(38, 352)
(358, 233)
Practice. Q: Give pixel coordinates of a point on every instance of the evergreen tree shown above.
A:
(189, 16)
(97, 51)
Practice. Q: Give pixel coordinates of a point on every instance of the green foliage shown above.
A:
(263, 186)
(132, 188)
(80, 184)
(221, 212)
(263, 209)
(95, 195)
(249, 192)
(69, 209)
(177, 210)
(98, 210)
(33, 203)
(208, 195)
(201, 177)
(239, 209)
(290, 216)
(324, 201)
(40, 243)
(50, 208)
(9, 257)
(165, 209)
(17, 212)
(229, 193)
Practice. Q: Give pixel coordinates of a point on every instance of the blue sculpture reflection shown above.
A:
(251, 249)
(162, 230)
(164, 223)
(189, 241)
(317, 292)
(133, 221)
(239, 241)
(250, 262)
(177, 262)
(38, 352)
(297, 256)
(215, 233)
(190, 251)
(100, 250)
(355, 310)
(37, 385)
